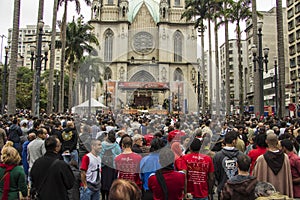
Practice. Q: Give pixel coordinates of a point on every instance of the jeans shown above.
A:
(87, 194)
(73, 156)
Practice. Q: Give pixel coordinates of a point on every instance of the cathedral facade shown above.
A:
(150, 54)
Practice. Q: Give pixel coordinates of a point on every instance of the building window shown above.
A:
(107, 73)
(297, 8)
(110, 2)
(178, 46)
(290, 13)
(298, 34)
(230, 51)
(291, 37)
(108, 45)
(298, 21)
(178, 75)
(291, 25)
(298, 60)
(177, 2)
(290, 2)
(298, 47)
(292, 62)
(292, 50)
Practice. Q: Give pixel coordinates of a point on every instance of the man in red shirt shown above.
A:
(167, 183)
(128, 163)
(200, 171)
(287, 147)
(175, 135)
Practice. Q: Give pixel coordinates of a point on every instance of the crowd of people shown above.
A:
(118, 156)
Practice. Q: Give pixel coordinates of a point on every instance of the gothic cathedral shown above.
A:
(150, 54)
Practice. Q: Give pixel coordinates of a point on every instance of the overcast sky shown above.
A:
(29, 10)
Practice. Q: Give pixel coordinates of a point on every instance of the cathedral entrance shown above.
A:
(142, 101)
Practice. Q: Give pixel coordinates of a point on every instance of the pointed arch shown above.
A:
(142, 76)
(108, 45)
(107, 73)
(178, 38)
(178, 75)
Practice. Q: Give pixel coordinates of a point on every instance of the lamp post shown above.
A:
(276, 84)
(56, 91)
(260, 60)
(178, 98)
(198, 92)
(90, 92)
(39, 58)
(4, 81)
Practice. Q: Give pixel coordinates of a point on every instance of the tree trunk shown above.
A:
(62, 63)
(11, 102)
(281, 59)
(210, 66)
(70, 98)
(217, 67)
(241, 81)
(227, 69)
(52, 60)
(202, 71)
(255, 77)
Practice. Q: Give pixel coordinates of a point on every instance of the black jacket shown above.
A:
(220, 174)
(14, 133)
(69, 139)
(59, 178)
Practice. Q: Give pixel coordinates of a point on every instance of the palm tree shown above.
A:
(11, 103)
(79, 38)
(198, 9)
(97, 70)
(223, 15)
(63, 46)
(256, 74)
(217, 7)
(281, 59)
(52, 59)
(240, 11)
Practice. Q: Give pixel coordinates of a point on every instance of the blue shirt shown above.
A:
(149, 165)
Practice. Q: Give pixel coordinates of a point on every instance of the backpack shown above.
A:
(229, 165)
(108, 158)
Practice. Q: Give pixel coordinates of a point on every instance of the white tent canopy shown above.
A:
(83, 107)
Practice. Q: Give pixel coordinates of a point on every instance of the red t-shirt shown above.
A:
(253, 154)
(175, 184)
(175, 136)
(128, 166)
(197, 166)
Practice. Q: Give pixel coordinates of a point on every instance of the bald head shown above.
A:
(272, 140)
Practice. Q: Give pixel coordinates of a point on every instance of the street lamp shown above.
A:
(276, 84)
(39, 58)
(56, 91)
(4, 82)
(260, 60)
(90, 80)
(178, 98)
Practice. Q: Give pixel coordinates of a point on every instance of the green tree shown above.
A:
(52, 58)
(12, 81)
(198, 9)
(79, 40)
(63, 40)
(240, 10)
